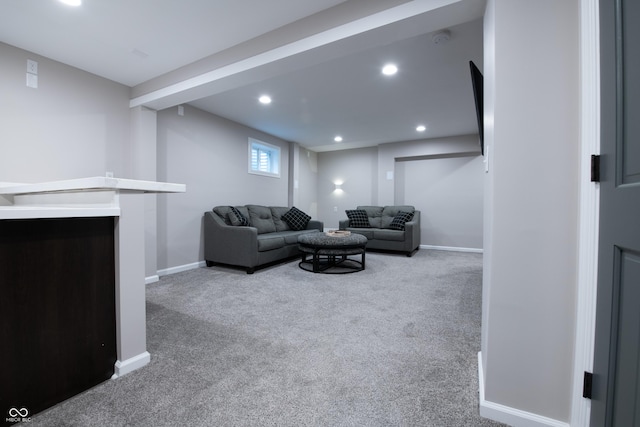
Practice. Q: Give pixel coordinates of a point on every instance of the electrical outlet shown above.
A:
(32, 66)
(335, 209)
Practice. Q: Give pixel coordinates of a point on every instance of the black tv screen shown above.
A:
(477, 82)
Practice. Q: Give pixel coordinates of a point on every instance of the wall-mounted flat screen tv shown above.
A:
(477, 82)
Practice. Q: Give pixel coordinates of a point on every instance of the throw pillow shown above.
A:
(400, 219)
(236, 218)
(296, 219)
(358, 218)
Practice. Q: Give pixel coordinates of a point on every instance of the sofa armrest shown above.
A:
(229, 244)
(314, 224)
(343, 224)
(412, 231)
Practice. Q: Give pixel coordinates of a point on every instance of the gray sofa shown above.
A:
(380, 234)
(267, 238)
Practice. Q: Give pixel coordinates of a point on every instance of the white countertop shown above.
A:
(93, 183)
(84, 197)
(35, 212)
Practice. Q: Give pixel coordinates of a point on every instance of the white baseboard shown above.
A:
(151, 279)
(451, 248)
(508, 415)
(131, 364)
(181, 268)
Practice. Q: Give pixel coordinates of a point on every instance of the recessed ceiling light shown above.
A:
(338, 138)
(389, 69)
(421, 128)
(71, 2)
(265, 99)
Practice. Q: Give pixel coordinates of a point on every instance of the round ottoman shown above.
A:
(329, 254)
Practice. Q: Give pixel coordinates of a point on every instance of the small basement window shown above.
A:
(264, 158)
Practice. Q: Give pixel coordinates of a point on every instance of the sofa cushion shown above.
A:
(400, 219)
(267, 242)
(276, 213)
(236, 218)
(296, 219)
(374, 213)
(390, 212)
(386, 234)
(261, 218)
(358, 218)
(366, 232)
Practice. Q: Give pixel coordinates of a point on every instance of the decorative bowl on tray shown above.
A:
(338, 233)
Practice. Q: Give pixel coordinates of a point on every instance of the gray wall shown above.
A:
(449, 193)
(209, 155)
(357, 170)
(442, 177)
(74, 125)
(142, 147)
(304, 179)
(532, 131)
(390, 154)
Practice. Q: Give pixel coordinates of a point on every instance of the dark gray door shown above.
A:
(616, 380)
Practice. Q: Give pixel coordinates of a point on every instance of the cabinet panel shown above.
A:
(57, 302)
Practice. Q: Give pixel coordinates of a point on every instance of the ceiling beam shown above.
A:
(421, 16)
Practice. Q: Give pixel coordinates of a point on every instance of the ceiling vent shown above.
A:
(441, 37)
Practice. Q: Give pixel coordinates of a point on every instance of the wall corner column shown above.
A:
(143, 166)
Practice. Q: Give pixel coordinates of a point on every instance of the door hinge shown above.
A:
(595, 168)
(587, 384)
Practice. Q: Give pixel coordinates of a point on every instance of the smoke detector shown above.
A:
(441, 37)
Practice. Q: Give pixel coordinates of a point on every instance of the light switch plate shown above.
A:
(32, 80)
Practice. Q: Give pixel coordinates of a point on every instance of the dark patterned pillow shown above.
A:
(358, 218)
(399, 220)
(296, 219)
(236, 218)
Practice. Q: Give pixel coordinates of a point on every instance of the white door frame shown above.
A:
(589, 207)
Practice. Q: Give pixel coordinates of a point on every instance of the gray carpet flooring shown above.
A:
(394, 345)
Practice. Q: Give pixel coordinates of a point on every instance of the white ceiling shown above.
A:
(110, 37)
(134, 41)
(350, 97)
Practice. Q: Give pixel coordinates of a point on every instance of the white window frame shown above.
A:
(272, 166)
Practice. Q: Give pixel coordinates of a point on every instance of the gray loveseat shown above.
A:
(382, 232)
(264, 238)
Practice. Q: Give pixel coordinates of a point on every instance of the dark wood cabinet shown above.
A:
(57, 302)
